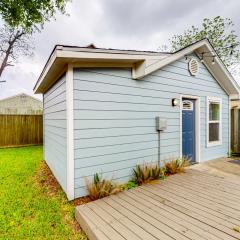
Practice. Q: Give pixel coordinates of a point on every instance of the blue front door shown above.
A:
(188, 129)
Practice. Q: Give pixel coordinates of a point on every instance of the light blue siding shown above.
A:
(55, 133)
(114, 118)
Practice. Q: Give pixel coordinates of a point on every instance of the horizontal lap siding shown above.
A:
(114, 118)
(55, 133)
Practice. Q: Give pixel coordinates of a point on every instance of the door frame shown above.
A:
(197, 126)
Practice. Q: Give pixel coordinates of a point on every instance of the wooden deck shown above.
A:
(195, 205)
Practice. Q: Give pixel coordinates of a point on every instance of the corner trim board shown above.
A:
(70, 133)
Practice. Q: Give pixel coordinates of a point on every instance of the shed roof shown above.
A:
(141, 62)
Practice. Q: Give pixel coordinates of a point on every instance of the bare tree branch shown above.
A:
(13, 44)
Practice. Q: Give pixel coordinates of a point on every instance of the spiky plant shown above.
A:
(157, 172)
(146, 173)
(177, 165)
(96, 178)
(140, 174)
(100, 188)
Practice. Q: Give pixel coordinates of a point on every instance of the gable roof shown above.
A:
(142, 63)
(20, 94)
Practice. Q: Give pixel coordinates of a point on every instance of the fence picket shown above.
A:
(18, 130)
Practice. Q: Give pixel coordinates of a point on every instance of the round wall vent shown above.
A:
(193, 67)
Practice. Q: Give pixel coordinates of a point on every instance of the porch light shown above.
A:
(175, 102)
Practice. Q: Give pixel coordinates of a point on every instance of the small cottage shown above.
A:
(107, 110)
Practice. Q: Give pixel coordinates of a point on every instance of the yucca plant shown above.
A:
(155, 172)
(141, 174)
(100, 188)
(96, 178)
(146, 173)
(176, 165)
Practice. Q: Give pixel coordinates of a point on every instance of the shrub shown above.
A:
(130, 184)
(176, 165)
(100, 188)
(163, 173)
(146, 173)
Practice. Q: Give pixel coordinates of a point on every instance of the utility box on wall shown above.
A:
(161, 124)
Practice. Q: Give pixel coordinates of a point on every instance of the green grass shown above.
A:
(27, 209)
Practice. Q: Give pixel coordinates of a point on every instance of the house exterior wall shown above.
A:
(55, 130)
(21, 104)
(114, 118)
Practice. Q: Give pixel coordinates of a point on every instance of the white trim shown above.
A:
(43, 119)
(218, 70)
(197, 126)
(141, 64)
(70, 133)
(216, 100)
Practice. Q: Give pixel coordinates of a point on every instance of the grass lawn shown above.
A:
(32, 205)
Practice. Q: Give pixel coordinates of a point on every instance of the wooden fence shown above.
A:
(17, 130)
(235, 130)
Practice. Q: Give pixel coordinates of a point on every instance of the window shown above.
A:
(214, 133)
(187, 105)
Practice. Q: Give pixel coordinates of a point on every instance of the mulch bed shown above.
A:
(47, 180)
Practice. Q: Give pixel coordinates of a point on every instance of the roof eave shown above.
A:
(140, 63)
(218, 70)
(60, 59)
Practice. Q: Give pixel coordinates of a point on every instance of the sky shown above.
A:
(121, 24)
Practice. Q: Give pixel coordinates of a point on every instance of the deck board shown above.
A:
(210, 190)
(233, 204)
(194, 205)
(192, 209)
(200, 202)
(172, 214)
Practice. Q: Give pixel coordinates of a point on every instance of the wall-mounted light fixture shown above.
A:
(175, 102)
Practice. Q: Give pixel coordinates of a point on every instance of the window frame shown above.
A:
(218, 101)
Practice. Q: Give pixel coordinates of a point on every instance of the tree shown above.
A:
(221, 35)
(22, 19)
(13, 43)
(28, 14)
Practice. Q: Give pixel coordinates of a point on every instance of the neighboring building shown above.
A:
(235, 126)
(235, 104)
(21, 104)
(100, 109)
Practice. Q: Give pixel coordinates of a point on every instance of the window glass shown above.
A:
(214, 124)
(214, 111)
(213, 132)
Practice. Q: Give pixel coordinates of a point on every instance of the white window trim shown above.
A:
(217, 100)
